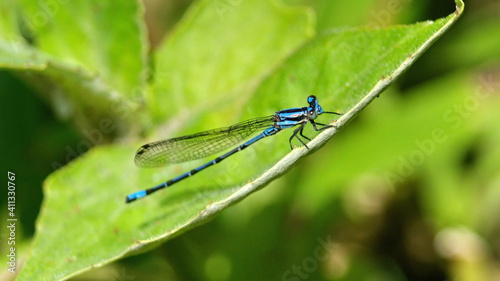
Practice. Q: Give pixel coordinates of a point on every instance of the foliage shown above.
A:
(227, 61)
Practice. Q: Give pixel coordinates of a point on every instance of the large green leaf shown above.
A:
(91, 36)
(14, 53)
(74, 53)
(84, 222)
(201, 65)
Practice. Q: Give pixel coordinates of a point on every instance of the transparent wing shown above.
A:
(199, 145)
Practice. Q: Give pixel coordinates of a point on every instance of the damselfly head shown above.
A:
(311, 100)
(314, 108)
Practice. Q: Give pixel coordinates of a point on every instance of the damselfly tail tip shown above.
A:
(135, 196)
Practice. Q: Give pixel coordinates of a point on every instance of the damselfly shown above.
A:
(206, 143)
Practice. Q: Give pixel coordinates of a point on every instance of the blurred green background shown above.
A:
(407, 191)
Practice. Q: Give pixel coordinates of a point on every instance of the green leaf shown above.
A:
(78, 59)
(84, 222)
(14, 53)
(205, 56)
(89, 35)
